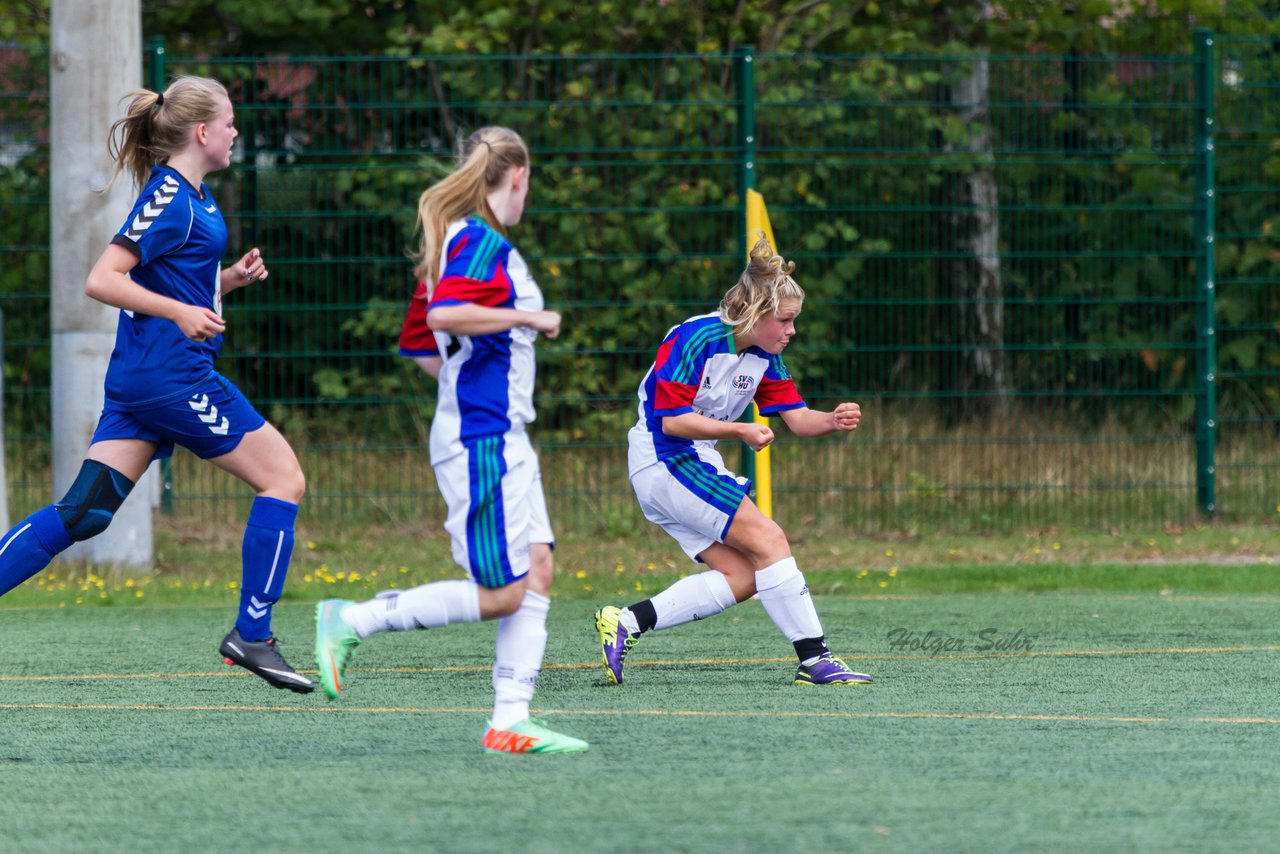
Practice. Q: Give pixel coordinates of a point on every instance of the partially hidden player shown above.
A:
(708, 369)
(163, 271)
(485, 311)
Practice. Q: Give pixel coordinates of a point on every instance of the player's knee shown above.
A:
(297, 484)
(765, 543)
(92, 501)
(504, 601)
(775, 537)
(541, 568)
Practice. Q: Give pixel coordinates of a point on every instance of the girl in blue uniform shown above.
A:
(163, 271)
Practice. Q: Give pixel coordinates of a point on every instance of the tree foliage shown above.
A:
(634, 220)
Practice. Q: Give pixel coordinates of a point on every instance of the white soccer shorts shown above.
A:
(496, 507)
(692, 498)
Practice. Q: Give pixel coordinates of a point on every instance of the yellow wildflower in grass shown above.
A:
(582, 573)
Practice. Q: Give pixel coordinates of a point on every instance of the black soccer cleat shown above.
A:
(262, 658)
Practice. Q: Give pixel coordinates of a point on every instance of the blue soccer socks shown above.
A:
(268, 545)
(29, 546)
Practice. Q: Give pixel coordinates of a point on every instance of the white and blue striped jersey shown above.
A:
(699, 369)
(178, 235)
(486, 381)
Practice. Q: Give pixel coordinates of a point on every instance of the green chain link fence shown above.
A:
(1011, 263)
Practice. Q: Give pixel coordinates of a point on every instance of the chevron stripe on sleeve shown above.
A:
(151, 211)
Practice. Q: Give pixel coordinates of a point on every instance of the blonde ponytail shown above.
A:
(485, 158)
(157, 126)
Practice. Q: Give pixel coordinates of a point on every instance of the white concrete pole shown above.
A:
(4, 477)
(95, 58)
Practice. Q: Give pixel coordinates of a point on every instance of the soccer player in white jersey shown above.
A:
(163, 271)
(708, 369)
(486, 312)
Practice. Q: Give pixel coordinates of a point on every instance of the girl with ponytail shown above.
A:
(485, 312)
(164, 271)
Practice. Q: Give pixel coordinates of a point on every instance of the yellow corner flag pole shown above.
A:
(757, 222)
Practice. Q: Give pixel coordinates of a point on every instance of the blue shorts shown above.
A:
(209, 424)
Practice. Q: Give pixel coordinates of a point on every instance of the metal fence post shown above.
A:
(156, 83)
(744, 68)
(1206, 400)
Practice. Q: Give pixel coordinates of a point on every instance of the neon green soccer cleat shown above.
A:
(336, 642)
(530, 736)
(615, 641)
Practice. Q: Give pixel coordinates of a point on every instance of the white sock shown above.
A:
(628, 621)
(786, 600)
(694, 597)
(522, 640)
(428, 606)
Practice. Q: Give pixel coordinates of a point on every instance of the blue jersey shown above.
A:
(178, 235)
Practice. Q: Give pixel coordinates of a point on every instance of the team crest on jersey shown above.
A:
(743, 383)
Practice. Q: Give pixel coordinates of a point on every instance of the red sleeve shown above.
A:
(776, 395)
(475, 269)
(416, 338)
(670, 395)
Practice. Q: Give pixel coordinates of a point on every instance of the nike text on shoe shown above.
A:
(829, 670)
(336, 642)
(615, 641)
(262, 658)
(530, 736)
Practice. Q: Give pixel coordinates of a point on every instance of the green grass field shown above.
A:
(1117, 720)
